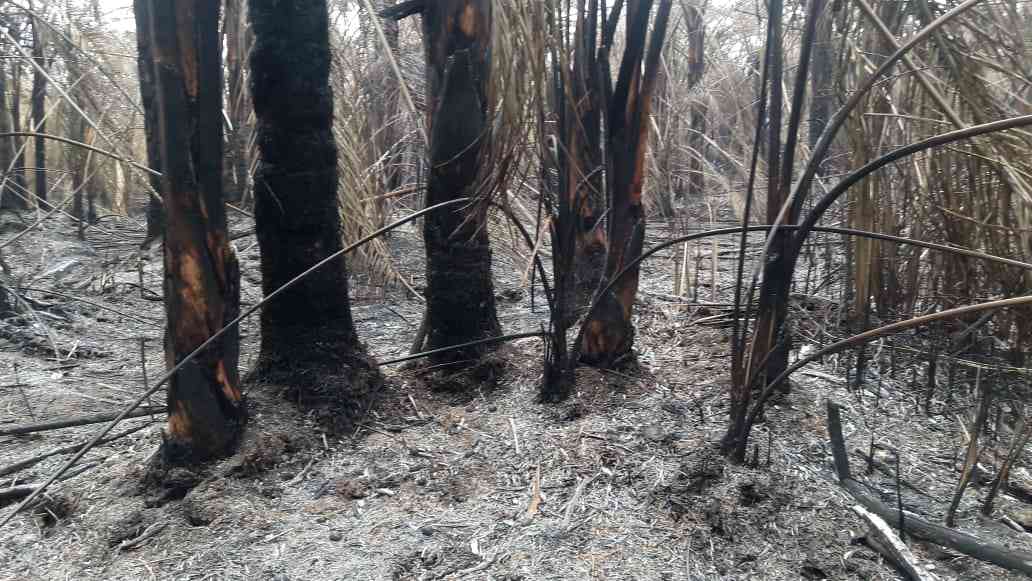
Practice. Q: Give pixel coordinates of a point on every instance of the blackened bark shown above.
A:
(148, 98)
(307, 331)
(460, 290)
(39, 93)
(822, 82)
(580, 169)
(772, 341)
(16, 31)
(8, 199)
(699, 109)
(609, 333)
(202, 292)
(78, 170)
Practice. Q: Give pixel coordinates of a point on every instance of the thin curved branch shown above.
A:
(850, 180)
(873, 334)
(486, 341)
(765, 228)
(104, 152)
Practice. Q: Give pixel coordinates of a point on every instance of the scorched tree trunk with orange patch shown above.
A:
(459, 288)
(609, 333)
(206, 411)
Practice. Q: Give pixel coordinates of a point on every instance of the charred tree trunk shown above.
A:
(581, 174)
(78, 170)
(771, 343)
(205, 409)
(460, 291)
(307, 333)
(18, 176)
(822, 82)
(148, 97)
(609, 333)
(39, 94)
(699, 109)
(78, 159)
(8, 199)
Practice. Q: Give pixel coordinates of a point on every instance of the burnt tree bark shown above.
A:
(581, 173)
(699, 109)
(460, 290)
(609, 333)
(8, 199)
(16, 119)
(148, 98)
(202, 291)
(39, 94)
(307, 333)
(771, 344)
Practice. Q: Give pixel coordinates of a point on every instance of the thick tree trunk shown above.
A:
(460, 290)
(202, 292)
(148, 98)
(609, 333)
(39, 93)
(308, 331)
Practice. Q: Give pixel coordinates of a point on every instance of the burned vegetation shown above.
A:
(515, 289)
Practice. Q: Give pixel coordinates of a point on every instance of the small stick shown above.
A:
(23, 464)
(146, 534)
(515, 437)
(143, 356)
(77, 421)
(487, 563)
(412, 400)
(535, 495)
(18, 492)
(301, 475)
(139, 271)
(21, 390)
(572, 504)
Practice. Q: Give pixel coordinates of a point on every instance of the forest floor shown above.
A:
(621, 482)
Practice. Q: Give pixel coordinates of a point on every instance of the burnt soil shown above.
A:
(620, 482)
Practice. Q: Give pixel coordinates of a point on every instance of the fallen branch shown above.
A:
(78, 421)
(881, 538)
(969, 545)
(403, 10)
(28, 462)
(149, 532)
(13, 493)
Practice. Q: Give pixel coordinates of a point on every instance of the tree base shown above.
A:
(467, 379)
(340, 387)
